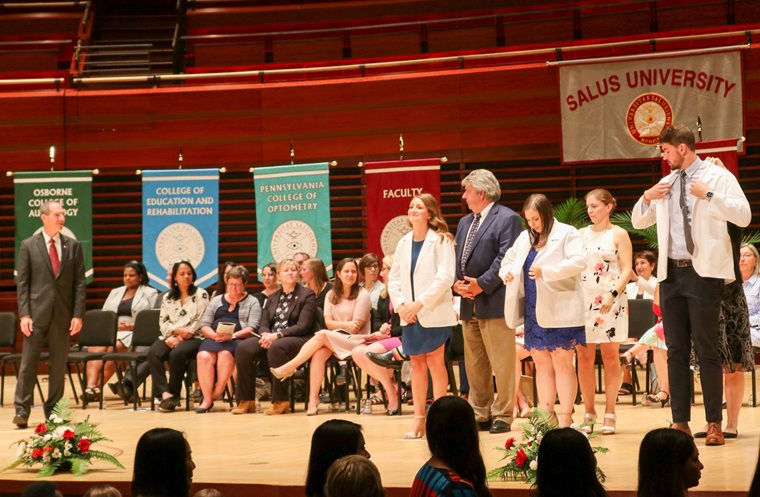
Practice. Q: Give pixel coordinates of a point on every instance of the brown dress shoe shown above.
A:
(684, 428)
(20, 421)
(244, 407)
(278, 408)
(714, 435)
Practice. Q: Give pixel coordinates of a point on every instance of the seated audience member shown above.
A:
(163, 464)
(126, 301)
(287, 323)
(102, 490)
(387, 328)
(643, 280)
(353, 476)
(208, 492)
(369, 268)
(314, 276)
(180, 323)
(523, 406)
(270, 282)
(347, 318)
(750, 269)
(41, 489)
(299, 258)
(566, 466)
(456, 466)
(228, 319)
(331, 440)
(669, 464)
(221, 282)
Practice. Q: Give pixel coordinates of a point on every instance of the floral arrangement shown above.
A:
(61, 445)
(522, 457)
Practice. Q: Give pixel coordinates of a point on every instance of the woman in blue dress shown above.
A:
(542, 271)
(419, 285)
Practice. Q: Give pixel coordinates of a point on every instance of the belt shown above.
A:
(681, 262)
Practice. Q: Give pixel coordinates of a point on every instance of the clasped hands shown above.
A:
(408, 312)
(468, 287)
(534, 273)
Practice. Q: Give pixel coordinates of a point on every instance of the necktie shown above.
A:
(54, 257)
(468, 242)
(685, 213)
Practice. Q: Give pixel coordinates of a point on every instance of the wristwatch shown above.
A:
(709, 195)
(614, 293)
(279, 334)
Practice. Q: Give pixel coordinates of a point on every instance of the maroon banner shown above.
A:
(725, 150)
(390, 187)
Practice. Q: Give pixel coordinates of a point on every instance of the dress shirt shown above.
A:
(677, 246)
(482, 215)
(57, 239)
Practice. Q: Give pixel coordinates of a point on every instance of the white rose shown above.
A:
(56, 454)
(534, 464)
(47, 437)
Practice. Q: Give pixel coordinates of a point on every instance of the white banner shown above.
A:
(616, 110)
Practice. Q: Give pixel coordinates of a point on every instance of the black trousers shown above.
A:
(249, 351)
(690, 313)
(179, 359)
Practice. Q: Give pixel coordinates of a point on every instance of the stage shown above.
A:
(263, 455)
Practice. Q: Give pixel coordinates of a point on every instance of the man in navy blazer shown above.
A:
(482, 238)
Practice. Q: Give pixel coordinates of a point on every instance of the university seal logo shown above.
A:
(392, 233)
(647, 116)
(180, 241)
(291, 237)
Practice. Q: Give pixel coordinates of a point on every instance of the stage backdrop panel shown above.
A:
(293, 212)
(181, 222)
(73, 189)
(617, 110)
(390, 187)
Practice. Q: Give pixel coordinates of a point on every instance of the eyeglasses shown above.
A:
(373, 266)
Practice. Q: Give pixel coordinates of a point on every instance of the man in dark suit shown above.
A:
(489, 344)
(51, 300)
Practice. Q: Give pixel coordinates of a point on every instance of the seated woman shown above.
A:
(331, 440)
(126, 301)
(269, 280)
(369, 268)
(387, 325)
(566, 466)
(314, 276)
(221, 282)
(669, 464)
(287, 322)
(180, 321)
(347, 314)
(228, 319)
(163, 464)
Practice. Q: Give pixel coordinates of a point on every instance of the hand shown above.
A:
(171, 342)
(607, 302)
(699, 189)
(535, 273)
(462, 288)
(715, 161)
(123, 326)
(520, 331)
(76, 326)
(409, 311)
(375, 336)
(658, 191)
(27, 326)
(183, 333)
(509, 277)
(222, 337)
(385, 329)
(473, 285)
(634, 276)
(267, 339)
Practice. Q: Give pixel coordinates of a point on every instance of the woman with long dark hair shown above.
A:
(163, 465)
(331, 440)
(566, 466)
(669, 464)
(456, 466)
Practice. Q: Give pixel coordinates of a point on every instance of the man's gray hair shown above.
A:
(46, 206)
(484, 181)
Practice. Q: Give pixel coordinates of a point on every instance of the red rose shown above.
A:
(521, 458)
(84, 445)
(68, 435)
(41, 429)
(509, 443)
(37, 454)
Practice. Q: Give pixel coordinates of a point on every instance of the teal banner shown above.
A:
(293, 212)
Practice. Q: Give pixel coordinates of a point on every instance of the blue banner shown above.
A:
(181, 222)
(293, 212)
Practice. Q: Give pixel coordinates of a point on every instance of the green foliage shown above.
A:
(573, 212)
(623, 219)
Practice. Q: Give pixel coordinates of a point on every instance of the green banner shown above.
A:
(293, 212)
(73, 189)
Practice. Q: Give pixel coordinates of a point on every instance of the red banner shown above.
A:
(725, 150)
(390, 187)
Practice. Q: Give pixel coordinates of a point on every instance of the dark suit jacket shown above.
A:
(496, 233)
(41, 294)
(301, 314)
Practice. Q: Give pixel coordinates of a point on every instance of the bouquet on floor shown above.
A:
(522, 456)
(61, 445)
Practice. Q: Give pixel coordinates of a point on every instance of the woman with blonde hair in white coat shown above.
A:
(419, 285)
(542, 272)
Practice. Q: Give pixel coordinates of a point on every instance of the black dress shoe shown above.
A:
(484, 425)
(20, 422)
(499, 426)
(393, 412)
(393, 358)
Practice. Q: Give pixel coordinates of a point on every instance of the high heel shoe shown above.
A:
(662, 398)
(390, 359)
(280, 376)
(626, 359)
(588, 423)
(204, 410)
(313, 410)
(609, 429)
(415, 435)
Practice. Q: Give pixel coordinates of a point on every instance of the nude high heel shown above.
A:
(414, 435)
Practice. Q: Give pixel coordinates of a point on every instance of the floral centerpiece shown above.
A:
(522, 456)
(58, 444)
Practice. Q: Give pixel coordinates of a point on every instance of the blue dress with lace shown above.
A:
(540, 338)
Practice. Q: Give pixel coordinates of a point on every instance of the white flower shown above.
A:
(59, 431)
(47, 437)
(56, 454)
(67, 452)
(21, 450)
(534, 464)
(55, 418)
(576, 426)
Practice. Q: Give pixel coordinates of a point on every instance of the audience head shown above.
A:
(288, 274)
(353, 476)
(600, 204)
(369, 266)
(332, 440)
(668, 464)
(539, 214)
(208, 492)
(435, 218)
(314, 273)
(135, 274)
(566, 466)
(237, 279)
(183, 277)
(384, 272)
(269, 276)
(221, 282)
(480, 189)
(102, 490)
(163, 464)
(300, 258)
(748, 259)
(452, 436)
(41, 489)
(644, 263)
(347, 280)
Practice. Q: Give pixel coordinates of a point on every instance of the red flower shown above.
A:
(48, 449)
(521, 458)
(37, 454)
(41, 429)
(599, 267)
(84, 445)
(509, 443)
(598, 300)
(68, 435)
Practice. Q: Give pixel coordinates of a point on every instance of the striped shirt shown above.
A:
(436, 482)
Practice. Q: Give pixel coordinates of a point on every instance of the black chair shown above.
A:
(98, 330)
(455, 355)
(145, 332)
(353, 378)
(8, 331)
(640, 319)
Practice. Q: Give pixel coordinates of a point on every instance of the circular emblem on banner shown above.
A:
(647, 116)
(291, 237)
(64, 231)
(392, 233)
(180, 241)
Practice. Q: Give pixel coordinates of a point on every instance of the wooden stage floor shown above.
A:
(263, 455)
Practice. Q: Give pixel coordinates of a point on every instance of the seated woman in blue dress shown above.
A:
(228, 319)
